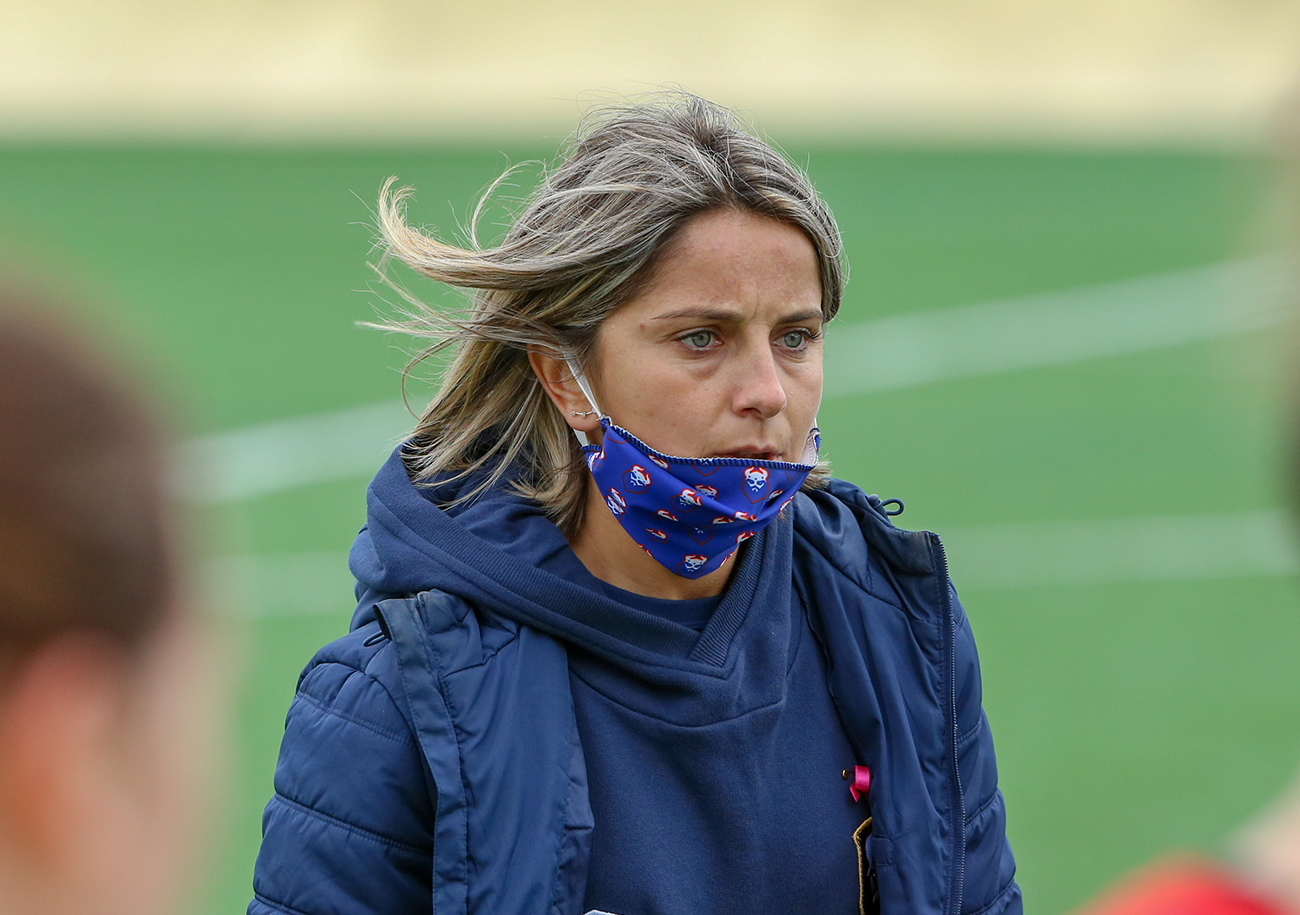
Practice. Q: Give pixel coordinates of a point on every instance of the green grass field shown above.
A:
(1140, 701)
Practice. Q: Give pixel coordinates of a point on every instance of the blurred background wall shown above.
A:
(1201, 71)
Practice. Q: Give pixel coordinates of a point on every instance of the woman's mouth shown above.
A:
(753, 454)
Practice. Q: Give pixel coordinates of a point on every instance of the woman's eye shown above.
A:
(698, 339)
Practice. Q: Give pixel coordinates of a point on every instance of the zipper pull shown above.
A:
(859, 779)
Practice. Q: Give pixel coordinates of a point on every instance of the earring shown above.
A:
(576, 413)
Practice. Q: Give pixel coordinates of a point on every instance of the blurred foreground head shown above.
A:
(99, 660)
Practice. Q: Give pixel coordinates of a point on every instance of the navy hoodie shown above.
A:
(710, 759)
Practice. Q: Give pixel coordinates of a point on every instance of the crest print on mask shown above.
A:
(701, 535)
(614, 499)
(687, 500)
(707, 491)
(756, 483)
(745, 516)
(656, 533)
(658, 462)
(637, 479)
(666, 514)
(743, 536)
(595, 459)
(692, 565)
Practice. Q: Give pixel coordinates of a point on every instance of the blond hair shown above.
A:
(585, 241)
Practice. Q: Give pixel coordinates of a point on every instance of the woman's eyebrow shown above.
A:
(811, 314)
(730, 316)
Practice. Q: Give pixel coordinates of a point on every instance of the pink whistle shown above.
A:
(860, 781)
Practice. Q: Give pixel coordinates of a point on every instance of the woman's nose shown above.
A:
(760, 388)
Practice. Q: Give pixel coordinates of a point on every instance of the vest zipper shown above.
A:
(959, 833)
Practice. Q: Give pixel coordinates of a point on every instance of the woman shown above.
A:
(103, 704)
(587, 674)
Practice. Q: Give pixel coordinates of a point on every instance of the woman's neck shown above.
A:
(615, 558)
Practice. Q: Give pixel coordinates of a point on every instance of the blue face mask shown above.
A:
(690, 514)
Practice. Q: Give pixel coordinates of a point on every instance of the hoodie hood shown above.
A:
(502, 555)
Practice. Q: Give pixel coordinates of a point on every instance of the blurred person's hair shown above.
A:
(83, 539)
(106, 678)
(587, 240)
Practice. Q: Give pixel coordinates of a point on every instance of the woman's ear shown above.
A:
(559, 384)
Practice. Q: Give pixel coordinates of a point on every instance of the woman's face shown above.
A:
(721, 355)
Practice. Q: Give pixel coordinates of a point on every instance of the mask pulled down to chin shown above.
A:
(689, 513)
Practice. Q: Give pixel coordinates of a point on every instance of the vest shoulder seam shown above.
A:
(999, 901)
(278, 906)
(358, 831)
(402, 737)
(844, 574)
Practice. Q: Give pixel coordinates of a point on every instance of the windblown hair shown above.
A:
(586, 241)
(84, 540)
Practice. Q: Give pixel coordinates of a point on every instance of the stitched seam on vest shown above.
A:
(359, 831)
(845, 575)
(467, 791)
(973, 732)
(999, 901)
(560, 848)
(387, 646)
(983, 807)
(278, 906)
(401, 737)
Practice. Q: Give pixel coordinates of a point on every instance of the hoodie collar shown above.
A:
(492, 552)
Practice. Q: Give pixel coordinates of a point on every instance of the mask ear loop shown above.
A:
(814, 441)
(571, 361)
(813, 445)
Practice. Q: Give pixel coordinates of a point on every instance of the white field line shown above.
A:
(1162, 548)
(1151, 548)
(283, 585)
(290, 453)
(1062, 327)
(890, 353)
